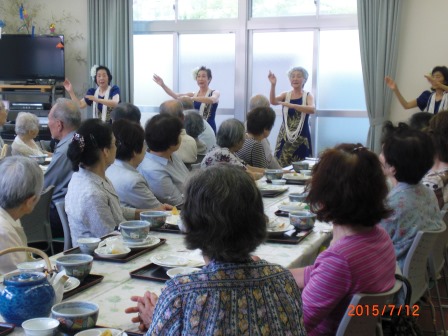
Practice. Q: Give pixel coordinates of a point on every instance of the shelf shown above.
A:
(13, 87)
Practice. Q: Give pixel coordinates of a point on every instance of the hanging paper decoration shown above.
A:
(52, 28)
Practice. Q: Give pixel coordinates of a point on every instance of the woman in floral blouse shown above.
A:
(232, 294)
(229, 140)
(406, 156)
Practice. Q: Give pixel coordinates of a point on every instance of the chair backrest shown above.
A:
(37, 224)
(416, 262)
(437, 255)
(365, 323)
(60, 207)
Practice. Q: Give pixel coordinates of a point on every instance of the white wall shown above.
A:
(422, 45)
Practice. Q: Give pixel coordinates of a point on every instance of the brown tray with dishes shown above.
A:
(89, 281)
(295, 238)
(292, 181)
(6, 328)
(150, 272)
(272, 193)
(135, 332)
(132, 255)
(169, 228)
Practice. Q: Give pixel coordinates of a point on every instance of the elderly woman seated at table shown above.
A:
(232, 294)
(194, 126)
(130, 185)
(27, 128)
(21, 182)
(229, 140)
(348, 189)
(259, 124)
(162, 168)
(92, 205)
(406, 157)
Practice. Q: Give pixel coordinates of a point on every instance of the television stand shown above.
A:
(25, 89)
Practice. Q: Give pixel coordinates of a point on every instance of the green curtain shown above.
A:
(378, 24)
(110, 41)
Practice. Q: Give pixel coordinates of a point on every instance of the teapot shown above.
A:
(26, 295)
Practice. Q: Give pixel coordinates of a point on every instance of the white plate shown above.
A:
(292, 206)
(103, 253)
(151, 241)
(71, 283)
(278, 231)
(169, 260)
(99, 331)
(268, 187)
(172, 219)
(172, 272)
(296, 177)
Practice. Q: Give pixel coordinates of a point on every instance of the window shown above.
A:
(240, 41)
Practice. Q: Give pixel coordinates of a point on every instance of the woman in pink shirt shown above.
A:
(348, 188)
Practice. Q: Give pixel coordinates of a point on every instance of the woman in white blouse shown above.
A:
(92, 205)
(27, 128)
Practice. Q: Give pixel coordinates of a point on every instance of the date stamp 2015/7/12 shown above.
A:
(383, 310)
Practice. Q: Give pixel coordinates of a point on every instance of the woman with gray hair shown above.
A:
(21, 183)
(194, 126)
(294, 138)
(229, 140)
(27, 128)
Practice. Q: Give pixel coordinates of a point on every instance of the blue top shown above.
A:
(414, 208)
(423, 101)
(247, 298)
(211, 117)
(166, 178)
(91, 92)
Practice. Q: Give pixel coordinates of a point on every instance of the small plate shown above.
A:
(172, 219)
(102, 252)
(296, 176)
(169, 260)
(71, 283)
(268, 187)
(99, 331)
(150, 241)
(292, 206)
(277, 231)
(172, 272)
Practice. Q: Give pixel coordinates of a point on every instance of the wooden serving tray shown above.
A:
(151, 272)
(132, 255)
(169, 228)
(89, 281)
(294, 239)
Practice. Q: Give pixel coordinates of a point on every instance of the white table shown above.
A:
(114, 292)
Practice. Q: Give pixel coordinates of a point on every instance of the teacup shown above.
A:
(134, 231)
(88, 245)
(75, 265)
(300, 165)
(302, 220)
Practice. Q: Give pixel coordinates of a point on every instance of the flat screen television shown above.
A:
(31, 58)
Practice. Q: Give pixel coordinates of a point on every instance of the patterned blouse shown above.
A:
(253, 153)
(221, 155)
(414, 208)
(249, 298)
(437, 182)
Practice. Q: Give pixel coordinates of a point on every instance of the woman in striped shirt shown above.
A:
(348, 188)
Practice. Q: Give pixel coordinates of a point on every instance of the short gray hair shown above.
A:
(68, 112)
(258, 101)
(230, 133)
(172, 107)
(21, 178)
(301, 69)
(26, 122)
(194, 123)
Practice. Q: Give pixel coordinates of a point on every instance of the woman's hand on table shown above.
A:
(145, 309)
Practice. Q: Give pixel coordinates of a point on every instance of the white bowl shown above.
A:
(41, 326)
(99, 331)
(278, 182)
(88, 245)
(32, 266)
(181, 271)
